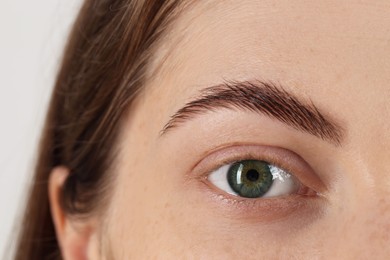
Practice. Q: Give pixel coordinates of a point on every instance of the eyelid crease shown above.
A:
(260, 97)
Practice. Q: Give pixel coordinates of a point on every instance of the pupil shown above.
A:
(252, 175)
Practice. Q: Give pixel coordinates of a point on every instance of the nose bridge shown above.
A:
(372, 209)
(374, 146)
(374, 162)
(368, 151)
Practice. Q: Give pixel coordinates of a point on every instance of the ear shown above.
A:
(77, 238)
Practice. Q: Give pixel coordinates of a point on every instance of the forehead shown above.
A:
(288, 40)
(335, 53)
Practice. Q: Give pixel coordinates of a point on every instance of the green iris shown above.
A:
(250, 178)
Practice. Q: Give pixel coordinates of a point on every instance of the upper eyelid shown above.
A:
(244, 150)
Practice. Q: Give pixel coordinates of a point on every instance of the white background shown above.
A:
(32, 36)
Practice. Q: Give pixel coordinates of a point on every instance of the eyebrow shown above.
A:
(261, 97)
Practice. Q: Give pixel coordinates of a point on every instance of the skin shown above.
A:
(335, 54)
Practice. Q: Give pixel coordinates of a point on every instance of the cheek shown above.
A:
(144, 217)
(149, 217)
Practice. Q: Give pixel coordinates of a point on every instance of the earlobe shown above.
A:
(77, 238)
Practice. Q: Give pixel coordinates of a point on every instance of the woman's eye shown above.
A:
(254, 179)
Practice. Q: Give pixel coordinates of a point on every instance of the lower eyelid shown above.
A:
(260, 210)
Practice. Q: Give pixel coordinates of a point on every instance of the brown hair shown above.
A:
(103, 69)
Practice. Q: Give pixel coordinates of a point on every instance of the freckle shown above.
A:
(167, 205)
(145, 188)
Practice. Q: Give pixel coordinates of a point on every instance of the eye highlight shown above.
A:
(254, 179)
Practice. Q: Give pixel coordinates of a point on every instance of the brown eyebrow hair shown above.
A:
(260, 97)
